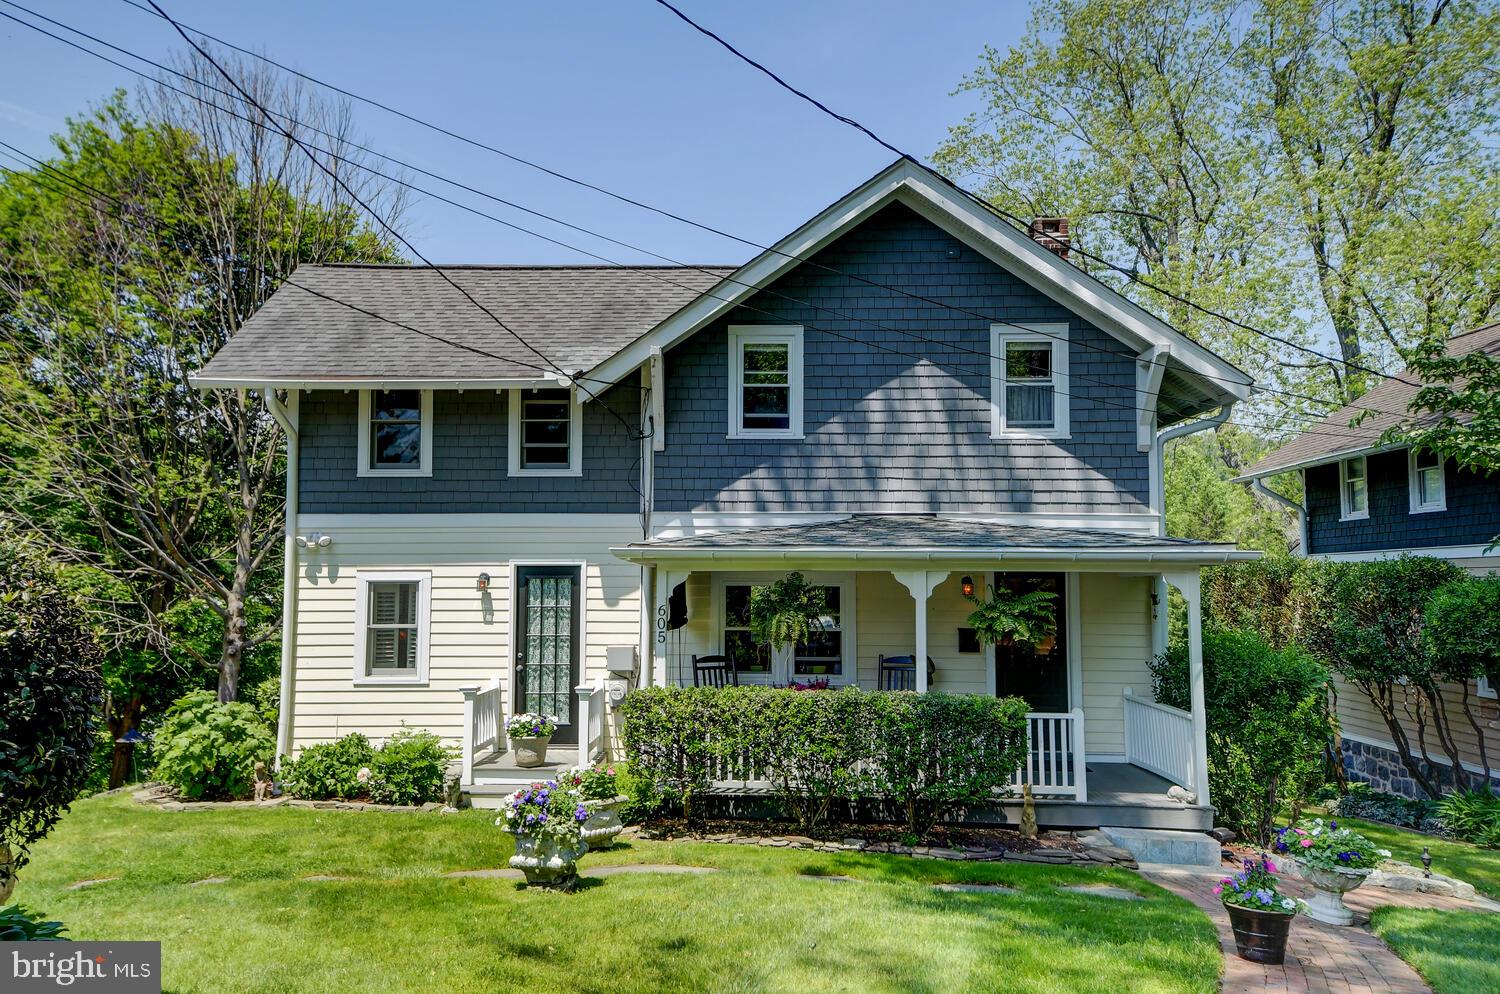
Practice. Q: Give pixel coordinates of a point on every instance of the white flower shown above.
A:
(1385, 853)
(363, 776)
(1288, 903)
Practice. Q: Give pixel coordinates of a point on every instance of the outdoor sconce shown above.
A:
(967, 586)
(1155, 599)
(483, 583)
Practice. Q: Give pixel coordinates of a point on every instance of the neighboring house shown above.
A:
(902, 397)
(1365, 500)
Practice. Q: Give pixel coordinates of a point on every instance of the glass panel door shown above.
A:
(547, 646)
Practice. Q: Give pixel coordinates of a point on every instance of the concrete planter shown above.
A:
(1329, 888)
(530, 751)
(546, 861)
(604, 821)
(1260, 936)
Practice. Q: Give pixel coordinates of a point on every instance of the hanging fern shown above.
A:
(783, 613)
(1006, 617)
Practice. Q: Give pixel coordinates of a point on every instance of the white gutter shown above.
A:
(377, 383)
(1201, 554)
(286, 416)
(1158, 457)
(1259, 486)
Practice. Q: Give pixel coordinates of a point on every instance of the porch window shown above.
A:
(739, 646)
(396, 434)
(1354, 490)
(1029, 381)
(822, 655)
(546, 433)
(1428, 492)
(391, 640)
(765, 382)
(823, 652)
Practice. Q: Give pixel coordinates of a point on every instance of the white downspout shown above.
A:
(286, 415)
(1159, 504)
(1259, 486)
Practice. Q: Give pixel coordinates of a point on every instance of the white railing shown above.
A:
(1159, 738)
(1054, 763)
(481, 725)
(591, 724)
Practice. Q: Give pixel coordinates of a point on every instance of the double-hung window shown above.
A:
(546, 433)
(827, 653)
(395, 436)
(1425, 471)
(392, 621)
(1029, 381)
(765, 381)
(1354, 489)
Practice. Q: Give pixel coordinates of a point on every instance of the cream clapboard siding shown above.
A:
(470, 631)
(1116, 648)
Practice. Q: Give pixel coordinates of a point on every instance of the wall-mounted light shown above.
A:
(1155, 599)
(967, 586)
(483, 583)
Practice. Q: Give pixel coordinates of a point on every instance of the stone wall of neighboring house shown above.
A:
(1382, 768)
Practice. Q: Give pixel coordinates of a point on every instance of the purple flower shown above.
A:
(541, 817)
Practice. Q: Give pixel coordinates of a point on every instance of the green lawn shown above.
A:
(1453, 950)
(754, 926)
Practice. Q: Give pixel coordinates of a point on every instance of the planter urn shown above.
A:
(530, 751)
(604, 821)
(547, 861)
(1260, 936)
(1329, 887)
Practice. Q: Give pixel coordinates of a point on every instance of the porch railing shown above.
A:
(591, 744)
(1054, 763)
(481, 725)
(1159, 738)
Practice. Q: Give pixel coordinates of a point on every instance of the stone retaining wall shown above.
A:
(1383, 769)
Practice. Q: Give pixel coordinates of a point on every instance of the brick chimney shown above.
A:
(1051, 233)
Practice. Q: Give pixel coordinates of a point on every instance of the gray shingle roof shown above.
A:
(576, 315)
(1333, 437)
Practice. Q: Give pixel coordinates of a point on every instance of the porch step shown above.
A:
(1155, 845)
(497, 776)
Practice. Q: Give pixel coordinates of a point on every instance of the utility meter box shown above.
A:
(623, 664)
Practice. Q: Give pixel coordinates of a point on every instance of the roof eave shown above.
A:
(371, 383)
(1319, 460)
(647, 554)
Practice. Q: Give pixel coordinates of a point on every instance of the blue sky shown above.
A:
(619, 92)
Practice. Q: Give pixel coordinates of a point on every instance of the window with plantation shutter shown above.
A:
(392, 620)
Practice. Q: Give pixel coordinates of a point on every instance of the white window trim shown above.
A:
(1345, 513)
(781, 661)
(575, 439)
(1483, 688)
(424, 465)
(1053, 335)
(362, 631)
(789, 335)
(1414, 489)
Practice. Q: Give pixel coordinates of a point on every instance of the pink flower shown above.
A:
(1306, 843)
(1270, 866)
(1218, 890)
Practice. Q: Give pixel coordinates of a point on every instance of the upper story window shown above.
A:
(546, 433)
(1029, 381)
(765, 381)
(392, 627)
(1354, 489)
(395, 436)
(1425, 472)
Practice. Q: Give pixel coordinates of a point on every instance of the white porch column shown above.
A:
(1188, 583)
(920, 584)
(656, 671)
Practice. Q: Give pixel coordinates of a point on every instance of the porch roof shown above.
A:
(928, 537)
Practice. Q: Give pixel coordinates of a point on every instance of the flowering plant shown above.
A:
(546, 809)
(531, 726)
(1328, 847)
(1254, 887)
(592, 783)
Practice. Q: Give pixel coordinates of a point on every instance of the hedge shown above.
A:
(929, 755)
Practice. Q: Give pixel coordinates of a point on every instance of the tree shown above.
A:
(1203, 504)
(130, 259)
(1461, 635)
(50, 700)
(1456, 412)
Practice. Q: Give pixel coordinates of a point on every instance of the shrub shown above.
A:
(1268, 724)
(208, 749)
(668, 733)
(1472, 815)
(1362, 801)
(265, 698)
(17, 924)
(51, 698)
(330, 769)
(641, 798)
(411, 768)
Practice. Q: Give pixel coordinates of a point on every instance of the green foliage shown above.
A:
(784, 611)
(642, 800)
(592, 783)
(18, 924)
(330, 769)
(1457, 410)
(1328, 846)
(51, 696)
(1203, 504)
(1363, 801)
(265, 698)
(1461, 628)
(1265, 596)
(1472, 815)
(411, 768)
(928, 755)
(1008, 616)
(1269, 724)
(208, 750)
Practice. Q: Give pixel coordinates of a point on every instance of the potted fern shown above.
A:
(783, 613)
(1009, 617)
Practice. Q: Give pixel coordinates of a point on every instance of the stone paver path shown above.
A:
(1320, 959)
(1104, 890)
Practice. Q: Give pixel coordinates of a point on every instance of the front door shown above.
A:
(1037, 673)
(547, 645)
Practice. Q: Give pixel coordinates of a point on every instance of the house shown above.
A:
(1368, 500)
(904, 398)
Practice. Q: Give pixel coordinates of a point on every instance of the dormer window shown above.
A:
(546, 433)
(765, 381)
(1425, 472)
(1354, 489)
(395, 433)
(1029, 381)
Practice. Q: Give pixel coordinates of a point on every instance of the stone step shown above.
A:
(1159, 845)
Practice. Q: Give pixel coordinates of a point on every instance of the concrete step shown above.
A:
(1156, 845)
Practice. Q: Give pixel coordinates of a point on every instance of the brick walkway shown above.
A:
(1320, 959)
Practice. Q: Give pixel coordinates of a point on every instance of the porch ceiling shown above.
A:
(922, 538)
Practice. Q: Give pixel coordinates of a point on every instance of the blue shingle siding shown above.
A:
(469, 460)
(1472, 516)
(887, 431)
